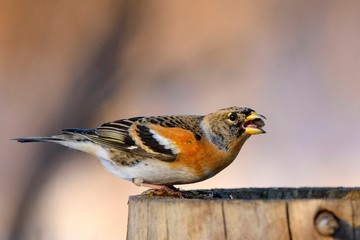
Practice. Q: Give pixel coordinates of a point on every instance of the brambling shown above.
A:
(161, 151)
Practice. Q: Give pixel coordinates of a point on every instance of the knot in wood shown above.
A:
(326, 223)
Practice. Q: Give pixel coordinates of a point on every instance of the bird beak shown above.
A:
(253, 124)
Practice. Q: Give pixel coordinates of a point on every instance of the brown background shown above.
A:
(80, 63)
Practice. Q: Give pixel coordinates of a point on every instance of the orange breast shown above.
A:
(202, 157)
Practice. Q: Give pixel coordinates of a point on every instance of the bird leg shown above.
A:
(157, 190)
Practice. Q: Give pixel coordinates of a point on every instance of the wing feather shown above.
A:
(118, 135)
(135, 136)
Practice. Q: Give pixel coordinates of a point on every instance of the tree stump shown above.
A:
(255, 213)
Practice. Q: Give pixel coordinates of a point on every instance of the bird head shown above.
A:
(228, 125)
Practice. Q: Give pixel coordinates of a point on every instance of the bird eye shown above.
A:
(233, 116)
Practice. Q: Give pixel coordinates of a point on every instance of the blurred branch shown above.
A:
(86, 94)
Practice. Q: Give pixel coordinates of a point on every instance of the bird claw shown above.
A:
(164, 191)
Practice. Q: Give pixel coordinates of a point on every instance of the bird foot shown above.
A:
(162, 191)
(158, 190)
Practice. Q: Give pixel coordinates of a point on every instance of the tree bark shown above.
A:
(260, 213)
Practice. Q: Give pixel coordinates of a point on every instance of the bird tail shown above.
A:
(79, 139)
(38, 139)
(71, 134)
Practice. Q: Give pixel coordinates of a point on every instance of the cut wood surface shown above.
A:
(256, 213)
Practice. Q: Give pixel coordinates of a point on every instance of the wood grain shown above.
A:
(274, 213)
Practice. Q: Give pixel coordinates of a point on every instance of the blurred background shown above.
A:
(80, 63)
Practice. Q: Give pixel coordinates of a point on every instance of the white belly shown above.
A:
(151, 171)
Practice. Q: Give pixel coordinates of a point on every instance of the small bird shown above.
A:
(161, 151)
